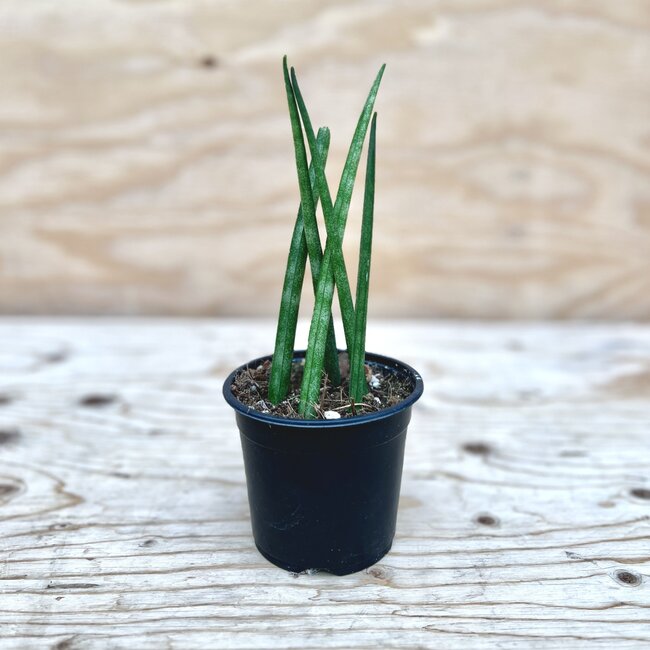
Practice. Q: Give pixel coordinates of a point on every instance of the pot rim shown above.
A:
(379, 359)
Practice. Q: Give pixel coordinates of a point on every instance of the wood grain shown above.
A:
(524, 519)
(146, 163)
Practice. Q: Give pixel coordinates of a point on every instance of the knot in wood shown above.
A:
(208, 61)
(477, 448)
(148, 542)
(487, 520)
(627, 578)
(97, 400)
(8, 436)
(7, 489)
(377, 573)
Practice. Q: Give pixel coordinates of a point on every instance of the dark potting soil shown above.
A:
(385, 389)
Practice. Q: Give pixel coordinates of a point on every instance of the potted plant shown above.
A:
(323, 431)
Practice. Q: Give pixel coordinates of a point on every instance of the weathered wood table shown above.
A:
(524, 518)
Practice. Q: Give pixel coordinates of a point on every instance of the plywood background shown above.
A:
(146, 163)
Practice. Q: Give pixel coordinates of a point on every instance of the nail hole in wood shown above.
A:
(5, 399)
(641, 493)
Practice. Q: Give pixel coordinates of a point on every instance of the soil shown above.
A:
(386, 389)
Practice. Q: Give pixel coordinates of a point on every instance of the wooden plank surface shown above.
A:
(524, 519)
(146, 163)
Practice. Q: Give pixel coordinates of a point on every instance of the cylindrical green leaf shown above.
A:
(338, 263)
(358, 385)
(310, 387)
(312, 239)
(291, 291)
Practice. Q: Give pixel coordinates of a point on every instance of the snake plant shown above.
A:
(328, 269)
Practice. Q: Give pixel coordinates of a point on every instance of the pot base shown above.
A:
(339, 570)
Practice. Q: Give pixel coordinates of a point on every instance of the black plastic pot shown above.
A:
(323, 494)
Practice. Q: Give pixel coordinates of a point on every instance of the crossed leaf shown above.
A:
(328, 269)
